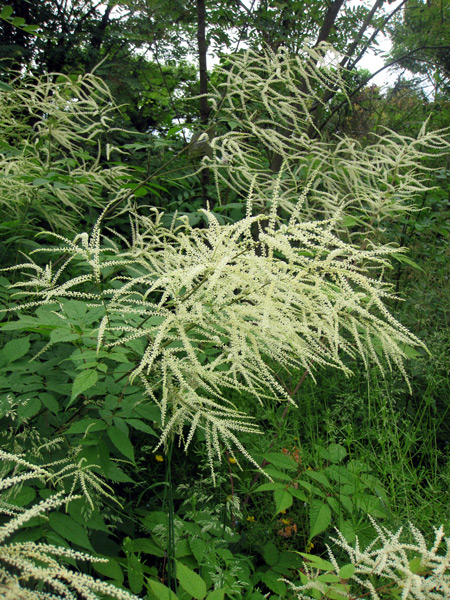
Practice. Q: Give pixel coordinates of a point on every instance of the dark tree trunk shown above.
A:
(329, 20)
(204, 107)
(325, 30)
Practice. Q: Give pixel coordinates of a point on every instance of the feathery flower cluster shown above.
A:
(58, 117)
(272, 99)
(412, 569)
(25, 564)
(219, 306)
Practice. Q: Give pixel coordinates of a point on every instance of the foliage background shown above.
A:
(233, 230)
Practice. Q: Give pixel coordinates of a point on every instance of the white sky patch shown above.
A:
(374, 60)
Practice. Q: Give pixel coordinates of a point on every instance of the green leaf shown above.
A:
(191, 582)
(319, 517)
(141, 191)
(160, 591)
(271, 579)
(198, 548)
(328, 578)
(7, 11)
(148, 547)
(50, 402)
(410, 351)
(4, 87)
(135, 574)
(121, 442)
(317, 562)
(270, 553)
(349, 221)
(319, 477)
(298, 494)
(111, 569)
(23, 497)
(283, 500)
(182, 549)
(334, 453)
(31, 28)
(82, 382)
(113, 472)
(69, 529)
(63, 334)
(218, 594)
(281, 460)
(87, 425)
(141, 426)
(270, 487)
(16, 349)
(276, 474)
(346, 571)
(406, 260)
(18, 21)
(29, 407)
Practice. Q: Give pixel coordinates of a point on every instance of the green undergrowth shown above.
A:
(243, 402)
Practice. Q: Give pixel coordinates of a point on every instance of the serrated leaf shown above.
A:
(15, 349)
(182, 549)
(276, 473)
(148, 547)
(346, 571)
(82, 382)
(121, 442)
(69, 529)
(319, 517)
(410, 351)
(190, 581)
(317, 562)
(218, 594)
(29, 407)
(281, 460)
(271, 579)
(63, 334)
(23, 497)
(141, 426)
(111, 569)
(135, 574)
(298, 494)
(334, 453)
(406, 260)
(198, 548)
(270, 487)
(87, 425)
(319, 477)
(113, 472)
(160, 591)
(283, 500)
(270, 553)
(50, 402)
(328, 578)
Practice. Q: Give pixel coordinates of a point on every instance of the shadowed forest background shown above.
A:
(225, 357)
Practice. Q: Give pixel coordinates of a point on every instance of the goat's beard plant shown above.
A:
(220, 307)
(227, 308)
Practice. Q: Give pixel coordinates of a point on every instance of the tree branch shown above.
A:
(329, 20)
(390, 64)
